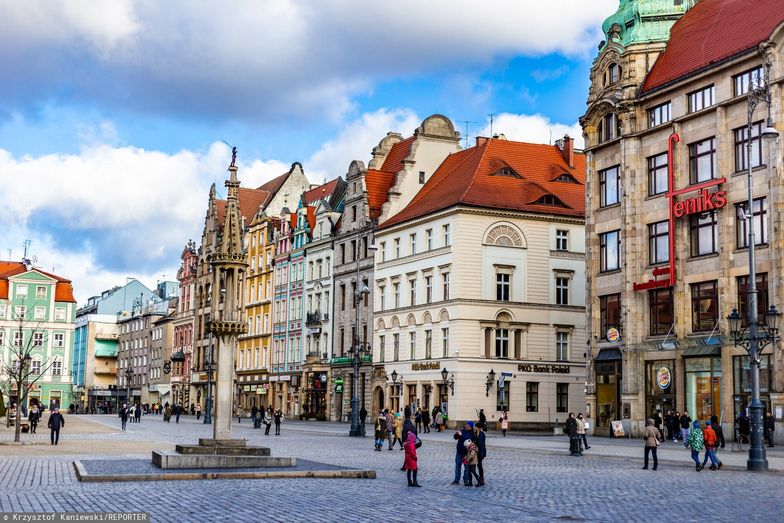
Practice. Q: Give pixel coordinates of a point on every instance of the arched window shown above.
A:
(504, 236)
(609, 127)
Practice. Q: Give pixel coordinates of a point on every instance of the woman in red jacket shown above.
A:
(410, 461)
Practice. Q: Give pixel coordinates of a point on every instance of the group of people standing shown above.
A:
(266, 417)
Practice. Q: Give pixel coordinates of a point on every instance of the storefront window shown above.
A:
(659, 387)
(703, 387)
(742, 382)
(608, 386)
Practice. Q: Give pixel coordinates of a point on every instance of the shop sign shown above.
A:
(261, 391)
(613, 335)
(663, 378)
(339, 388)
(704, 202)
(552, 369)
(323, 378)
(426, 365)
(617, 427)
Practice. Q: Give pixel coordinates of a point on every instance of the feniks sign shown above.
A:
(705, 201)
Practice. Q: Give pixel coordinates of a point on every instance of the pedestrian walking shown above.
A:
(685, 420)
(138, 413)
(34, 417)
(177, 412)
(504, 423)
(362, 418)
(380, 431)
(461, 451)
(711, 442)
(696, 443)
(198, 411)
(425, 421)
(676, 425)
(254, 412)
(657, 420)
(167, 413)
(398, 431)
(669, 424)
(278, 420)
(56, 422)
(418, 420)
(720, 443)
(574, 437)
(769, 426)
(744, 427)
(481, 447)
(482, 419)
(124, 415)
(652, 437)
(239, 414)
(439, 421)
(410, 460)
(390, 428)
(581, 426)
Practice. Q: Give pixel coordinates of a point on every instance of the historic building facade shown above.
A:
(182, 327)
(667, 255)
(479, 287)
(37, 313)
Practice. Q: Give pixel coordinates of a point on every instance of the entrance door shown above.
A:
(378, 395)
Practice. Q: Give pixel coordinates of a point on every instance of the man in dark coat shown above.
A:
(425, 421)
(744, 427)
(669, 423)
(408, 425)
(574, 437)
(769, 425)
(479, 439)
(482, 419)
(685, 420)
(56, 422)
(462, 436)
(124, 415)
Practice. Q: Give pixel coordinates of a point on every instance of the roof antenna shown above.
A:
(466, 122)
(491, 124)
(551, 138)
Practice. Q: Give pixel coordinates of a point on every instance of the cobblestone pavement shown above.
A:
(523, 483)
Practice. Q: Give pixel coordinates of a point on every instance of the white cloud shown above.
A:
(533, 128)
(251, 59)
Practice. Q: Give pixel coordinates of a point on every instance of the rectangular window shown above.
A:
(38, 339)
(412, 292)
(562, 346)
(342, 296)
(383, 250)
(57, 367)
(610, 313)
(21, 291)
(658, 182)
(18, 339)
(748, 79)
(659, 115)
(660, 310)
(760, 217)
(353, 213)
(382, 297)
(35, 367)
(396, 347)
(741, 147)
(659, 242)
(40, 293)
(445, 277)
(444, 342)
(502, 343)
(704, 306)
(396, 243)
(342, 254)
(59, 340)
(609, 128)
(446, 235)
(396, 292)
(412, 345)
(39, 313)
(561, 240)
(412, 243)
(532, 397)
(428, 289)
(20, 311)
(429, 239)
(2, 311)
(609, 182)
(699, 100)
(610, 251)
(502, 286)
(702, 160)
(561, 291)
(381, 348)
(562, 398)
(762, 298)
(703, 230)
(428, 344)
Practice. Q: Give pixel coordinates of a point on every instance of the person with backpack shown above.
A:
(696, 443)
(380, 431)
(711, 442)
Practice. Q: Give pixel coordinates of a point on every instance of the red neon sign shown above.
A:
(704, 202)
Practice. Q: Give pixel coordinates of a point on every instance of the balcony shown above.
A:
(314, 319)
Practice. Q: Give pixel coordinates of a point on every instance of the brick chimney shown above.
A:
(568, 150)
(481, 140)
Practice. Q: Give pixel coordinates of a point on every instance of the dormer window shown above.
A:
(506, 171)
(566, 178)
(549, 199)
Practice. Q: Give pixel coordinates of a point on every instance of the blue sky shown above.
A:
(112, 121)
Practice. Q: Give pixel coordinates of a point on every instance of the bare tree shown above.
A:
(17, 364)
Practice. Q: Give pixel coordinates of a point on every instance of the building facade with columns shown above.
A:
(480, 287)
(667, 258)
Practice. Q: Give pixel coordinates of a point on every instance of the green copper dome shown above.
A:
(640, 21)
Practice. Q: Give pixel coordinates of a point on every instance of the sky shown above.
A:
(113, 115)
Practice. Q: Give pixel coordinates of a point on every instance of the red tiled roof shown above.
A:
(378, 184)
(710, 32)
(274, 185)
(468, 178)
(63, 289)
(250, 202)
(311, 217)
(321, 192)
(399, 152)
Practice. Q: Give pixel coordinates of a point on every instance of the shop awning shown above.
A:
(703, 346)
(609, 355)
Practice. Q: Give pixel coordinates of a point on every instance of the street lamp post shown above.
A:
(398, 385)
(755, 342)
(208, 398)
(357, 349)
(489, 382)
(128, 377)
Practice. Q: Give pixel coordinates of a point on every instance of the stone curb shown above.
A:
(85, 477)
